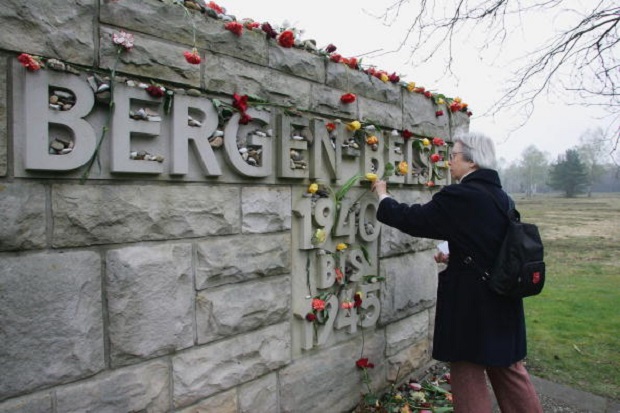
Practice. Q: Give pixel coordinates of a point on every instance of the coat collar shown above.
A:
(486, 176)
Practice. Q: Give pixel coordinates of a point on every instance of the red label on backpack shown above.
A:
(536, 277)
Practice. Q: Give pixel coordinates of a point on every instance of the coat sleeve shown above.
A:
(430, 220)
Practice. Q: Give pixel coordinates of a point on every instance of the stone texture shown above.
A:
(403, 333)
(238, 308)
(459, 122)
(150, 301)
(37, 403)
(408, 360)
(226, 260)
(51, 318)
(385, 114)
(144, 388)
(3, 115)
(86, 215)
(261, 395)
(265, 209)
(419, 116)
(297, 62)
(329, 380)
(22, 213)
(410, 286)
(207, 370)
(149, 58)
(341, 77)
(222, 403)
(55, 28)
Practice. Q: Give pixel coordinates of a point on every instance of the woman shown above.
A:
(476, 330)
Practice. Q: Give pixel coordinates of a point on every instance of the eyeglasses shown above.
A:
(453, 155)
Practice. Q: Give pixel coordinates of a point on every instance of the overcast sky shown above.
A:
(353, 27)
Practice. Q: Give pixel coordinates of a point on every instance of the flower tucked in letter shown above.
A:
(286, 38)
(240, 102)
(318, 304)
(192, 57)
(29, 62)
(155, 91)
(348, 98)
(313, 188)
(330, 126)
(310, 317)
(353, 126)
(341, 246)
(403, 168)
(407, 134)
(435, 158)
(438, 142)
(372, 140)
(426, 142)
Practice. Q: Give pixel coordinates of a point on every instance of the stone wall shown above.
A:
(183, 285)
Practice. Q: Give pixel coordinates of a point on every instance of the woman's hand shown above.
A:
(379, 187)
(441, 258)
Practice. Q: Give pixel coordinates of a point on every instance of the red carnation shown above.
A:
(245, 119)
(335, 57)
(155, 91)
(240, 102)
(311, 317)
(213, 6)
(29, 62)
(347, 98)
(286, 38)
(192, 57)
(352, 62)
(435, 158)
(439, 113)
(407, 134)
(266, 27)
(428, 94)
(394, 78)
(330, 126)
(357, 299)
(438, 142)
(235, 27)
(330, 48)
(364, 364)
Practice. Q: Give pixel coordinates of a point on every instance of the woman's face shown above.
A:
(459, 167)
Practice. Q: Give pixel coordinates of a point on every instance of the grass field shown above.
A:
(574, 324)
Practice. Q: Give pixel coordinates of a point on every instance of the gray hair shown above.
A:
(478, 148)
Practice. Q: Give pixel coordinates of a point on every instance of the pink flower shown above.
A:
(318, 304)
(415, 386)
(123, 39)
(192, 57)
(234, 27)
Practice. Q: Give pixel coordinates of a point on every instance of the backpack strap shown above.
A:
(469, 260)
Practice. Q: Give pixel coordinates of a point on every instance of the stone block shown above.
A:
(410, 286)
(52, 320)
(239, 308)
(342, 77)
(408, 360)
(419, 116)
(150, 298)
(143, 388)
(261, 395)
(403, 333)
(87, 215)
(459, 122)
(22, 213)
(225, 402)
(297, 62)
(55, 28)
(384, 114)
(150, 58)
(328, 380)
(204, 371)
(265, 209)
(36, 403)
(225, 260)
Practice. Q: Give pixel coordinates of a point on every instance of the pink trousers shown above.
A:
(512, 387)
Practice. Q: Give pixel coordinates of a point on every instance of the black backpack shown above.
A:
(519, 269)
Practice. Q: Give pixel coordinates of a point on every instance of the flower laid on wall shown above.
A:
(31, 63)
(234, 27)
(286, 39)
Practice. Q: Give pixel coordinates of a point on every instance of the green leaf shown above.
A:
(346, 187)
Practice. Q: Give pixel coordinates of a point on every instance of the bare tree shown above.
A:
(580, 62)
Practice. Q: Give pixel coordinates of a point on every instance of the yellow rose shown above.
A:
(384, 77)
(371, 140)
(371, 177)
(341, 246)
(313, 188)
(440, 101)
(403, 167)
(319, 236)
(457, 99)
(426, 142)
(353, 126)
(410, 86)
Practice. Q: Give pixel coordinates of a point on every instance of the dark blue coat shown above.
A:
(472, 323)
